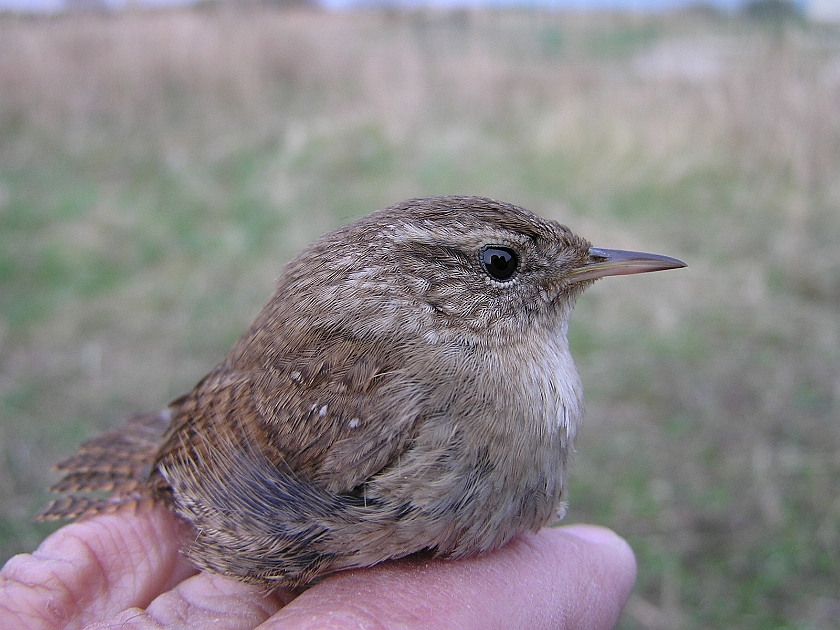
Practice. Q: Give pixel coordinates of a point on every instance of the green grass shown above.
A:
(157, 169)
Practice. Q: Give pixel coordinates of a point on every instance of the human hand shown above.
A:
(124, 570)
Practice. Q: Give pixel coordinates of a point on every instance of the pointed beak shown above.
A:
(618, 262)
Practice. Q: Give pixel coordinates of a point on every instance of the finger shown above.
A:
(572, 577)
(93, 568)
(202, 601)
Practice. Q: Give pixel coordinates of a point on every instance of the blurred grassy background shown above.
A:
(157, 168)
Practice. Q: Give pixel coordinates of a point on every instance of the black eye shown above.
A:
(500, 263)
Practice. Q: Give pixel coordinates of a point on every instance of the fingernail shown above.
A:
(595, 534)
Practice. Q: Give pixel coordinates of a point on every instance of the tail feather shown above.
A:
(100, 481)
(77, 505)
(119, 462)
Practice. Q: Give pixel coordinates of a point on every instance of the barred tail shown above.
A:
(118, 463)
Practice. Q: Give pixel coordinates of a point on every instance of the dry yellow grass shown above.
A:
(157, 168)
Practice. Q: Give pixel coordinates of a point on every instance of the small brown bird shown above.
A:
(407, 388)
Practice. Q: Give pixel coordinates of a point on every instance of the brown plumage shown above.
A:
(118, 462)
(407, 388)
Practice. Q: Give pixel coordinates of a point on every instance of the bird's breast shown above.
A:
(489, 459)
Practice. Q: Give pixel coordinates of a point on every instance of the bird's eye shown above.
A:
(500, 263)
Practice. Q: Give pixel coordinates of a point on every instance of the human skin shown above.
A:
(125, 569)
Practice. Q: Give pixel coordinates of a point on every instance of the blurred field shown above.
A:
(156, 170)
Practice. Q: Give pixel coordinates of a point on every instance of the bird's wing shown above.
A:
(334, 417)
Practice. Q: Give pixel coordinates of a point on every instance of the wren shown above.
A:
(408, 388)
